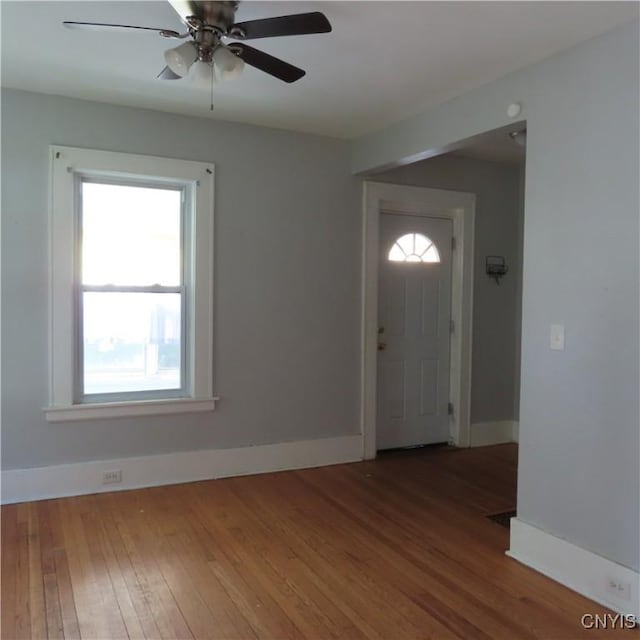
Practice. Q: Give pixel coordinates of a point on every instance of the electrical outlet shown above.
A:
(112, 477)
(618, 588)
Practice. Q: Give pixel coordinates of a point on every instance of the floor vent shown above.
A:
(504, 518)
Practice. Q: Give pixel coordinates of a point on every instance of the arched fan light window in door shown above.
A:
(414, 247)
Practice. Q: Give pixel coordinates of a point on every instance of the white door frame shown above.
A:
(459, 207)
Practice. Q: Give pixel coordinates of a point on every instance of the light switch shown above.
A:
(556, 338)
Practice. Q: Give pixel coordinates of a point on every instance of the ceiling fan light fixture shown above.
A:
(203, 74)
(210, 21)
(180, 59)
(229, 64)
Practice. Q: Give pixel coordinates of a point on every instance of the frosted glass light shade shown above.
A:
(228, 63)
(180, 59)
(202, 73)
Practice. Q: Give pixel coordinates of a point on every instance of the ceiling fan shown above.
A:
(209, 24)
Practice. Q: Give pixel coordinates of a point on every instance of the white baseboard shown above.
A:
(483, 434)
(22, 485)
(583, 571)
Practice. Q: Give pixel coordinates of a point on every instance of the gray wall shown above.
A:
(579, 473)
(286, 283)
(496, 322)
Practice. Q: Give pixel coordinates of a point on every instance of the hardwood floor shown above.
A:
(395, 548)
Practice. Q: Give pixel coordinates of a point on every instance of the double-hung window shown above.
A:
(131, 285)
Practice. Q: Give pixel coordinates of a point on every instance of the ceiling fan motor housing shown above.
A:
(209, 20)
(219, 14)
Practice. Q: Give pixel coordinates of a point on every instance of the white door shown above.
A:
(414, 324)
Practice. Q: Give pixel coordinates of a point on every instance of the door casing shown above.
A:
(458, 206)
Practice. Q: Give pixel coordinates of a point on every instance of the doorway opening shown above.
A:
(478, 190)
(444, 215)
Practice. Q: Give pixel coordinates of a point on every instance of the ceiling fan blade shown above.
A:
(96, 26)
(267, 63)
(295, 25)
(167, 74)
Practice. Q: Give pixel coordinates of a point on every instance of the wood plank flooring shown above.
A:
(396, 548)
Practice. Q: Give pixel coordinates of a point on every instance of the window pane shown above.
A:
(413, 247)
(406, 243)
(422, 243)
(131, 342)
(431, 255)
(397, 254)
(130, 235)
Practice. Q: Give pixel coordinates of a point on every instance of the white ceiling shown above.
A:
(383, 62)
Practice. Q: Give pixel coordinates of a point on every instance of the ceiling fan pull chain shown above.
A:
(211, 107)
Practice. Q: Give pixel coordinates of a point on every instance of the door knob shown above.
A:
(382, 346)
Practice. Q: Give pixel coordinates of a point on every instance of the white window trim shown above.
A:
(65, 162)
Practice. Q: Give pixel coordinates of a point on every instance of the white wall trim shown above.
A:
(460, 208)
(495, 432)
(21, 485)
(574, 567)
(98, 411)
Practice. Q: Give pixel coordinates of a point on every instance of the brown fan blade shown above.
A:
(267, 63)
(295, 25)
(97, 26)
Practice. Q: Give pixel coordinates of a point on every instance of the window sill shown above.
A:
(77, 412)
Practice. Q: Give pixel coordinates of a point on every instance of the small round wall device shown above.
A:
(514, 109)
